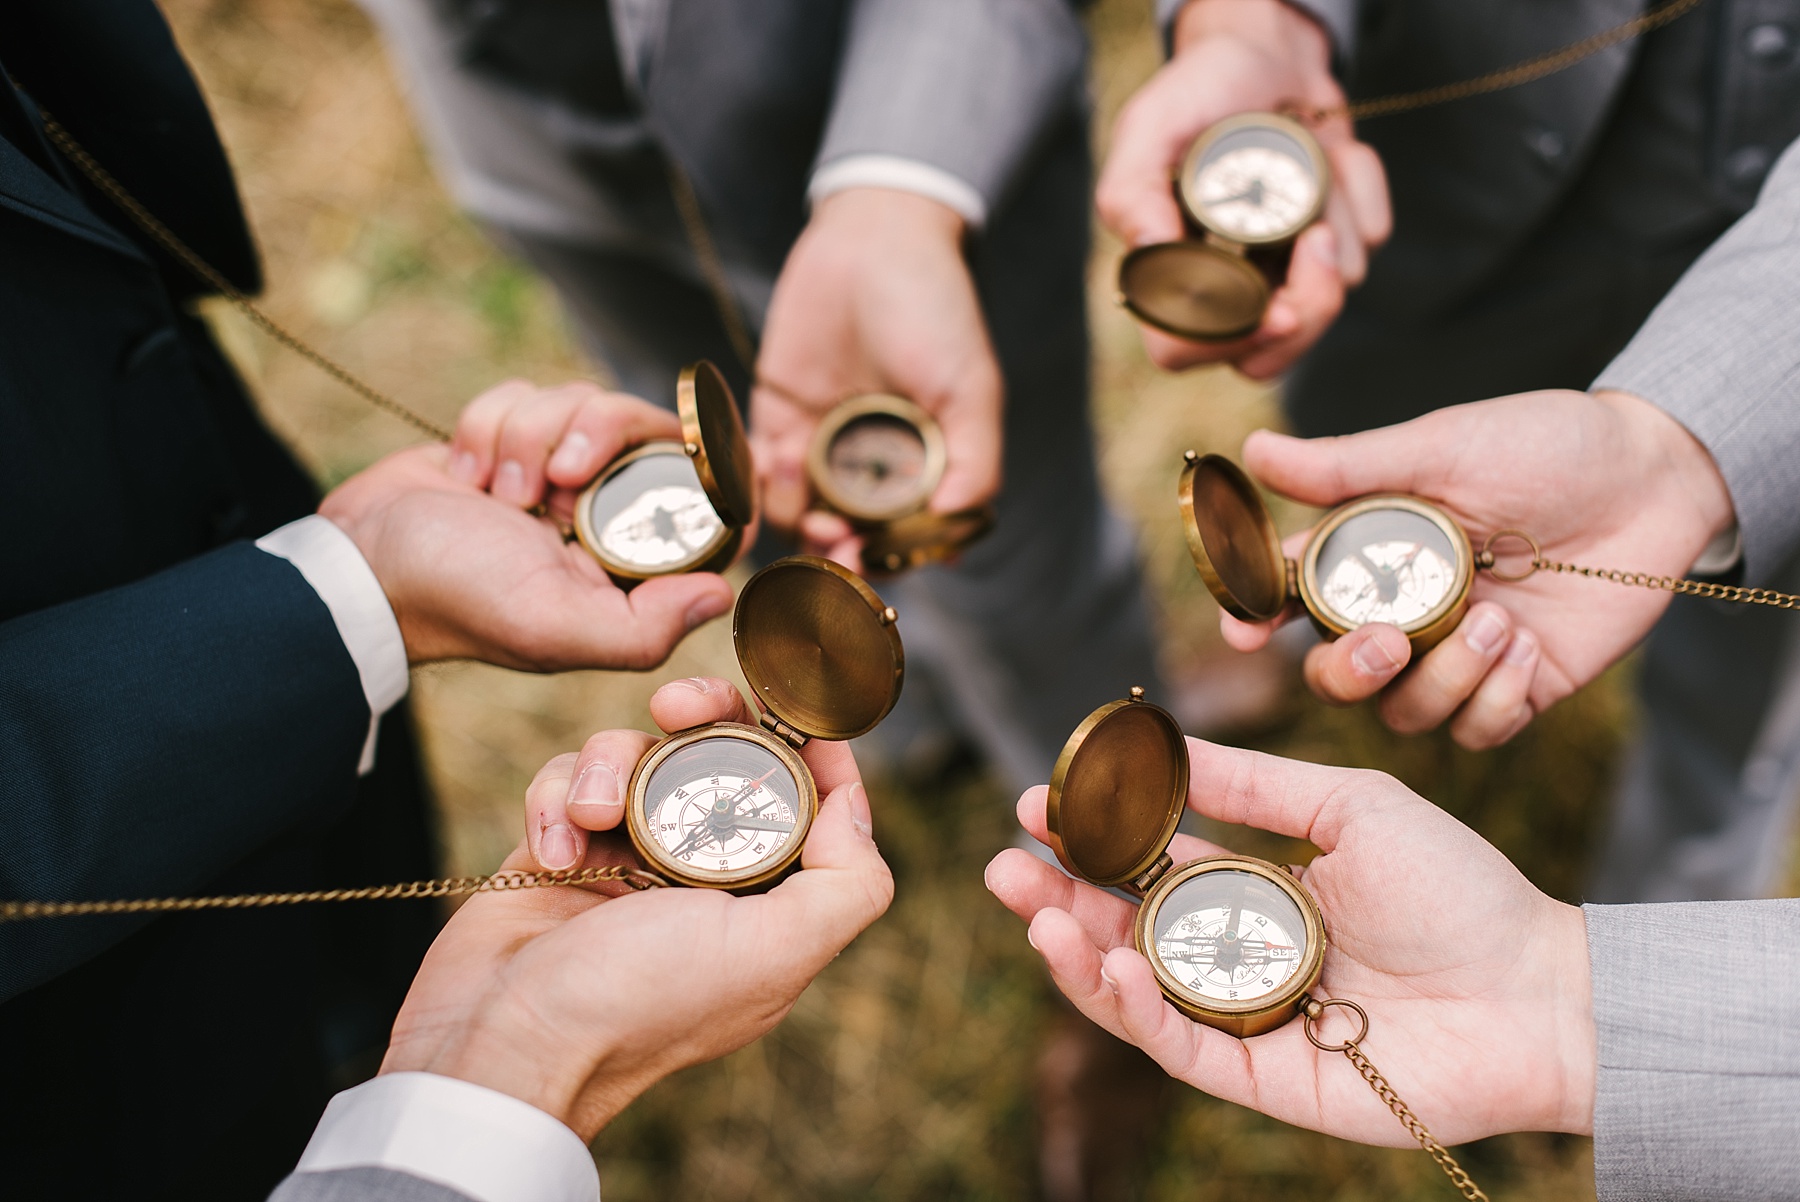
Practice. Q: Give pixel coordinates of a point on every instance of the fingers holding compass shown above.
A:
(519, 441)
(698, 700)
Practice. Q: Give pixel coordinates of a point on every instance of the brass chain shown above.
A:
(1487, 559)
(166, 238)
(1314, 1009)
(1528, 71)
(499, 882)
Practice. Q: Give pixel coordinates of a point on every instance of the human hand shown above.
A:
(1235, 56)
(874, 297)
(1607, 480)
(1476, 984)
(472, 575)
(577, 1004)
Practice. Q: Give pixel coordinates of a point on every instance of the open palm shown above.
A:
(1602, 480)
(1475, 983)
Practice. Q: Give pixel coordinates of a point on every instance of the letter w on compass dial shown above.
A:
(722, 805)
(1229, 936)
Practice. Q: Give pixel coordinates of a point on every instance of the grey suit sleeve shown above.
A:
(363, 1185)
(966, 86)
(1697, 1006)
(1721, 354)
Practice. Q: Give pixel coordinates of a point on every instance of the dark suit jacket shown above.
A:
(177, 711)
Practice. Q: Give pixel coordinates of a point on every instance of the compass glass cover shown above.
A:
(1386, 565)
(1230, 936)
(879, 461)
(653, 515)
(722, 804)
(1255, 184)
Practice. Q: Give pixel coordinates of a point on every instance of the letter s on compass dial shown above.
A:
(1229, 936)
(724, 809)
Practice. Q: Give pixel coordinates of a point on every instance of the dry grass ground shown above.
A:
(905, 1071)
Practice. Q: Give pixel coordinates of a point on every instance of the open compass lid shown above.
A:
(712, 433)
(924, 537)
(1118, 790)
(1232, 538)
(820, 649)
(1193, 290)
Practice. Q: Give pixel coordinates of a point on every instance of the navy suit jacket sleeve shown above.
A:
(154, 734)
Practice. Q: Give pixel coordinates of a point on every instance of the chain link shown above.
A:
(1488, 559)
(1459, 1176)
(1314, 1011)
(1529, 71)
(499, 882)
(165, 237)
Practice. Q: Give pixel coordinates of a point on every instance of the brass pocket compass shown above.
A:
(1234, 942)
(1247, 188)
(876, 459)
(1386, 557)
(1383, 558)
(666, 507)
(727, 805)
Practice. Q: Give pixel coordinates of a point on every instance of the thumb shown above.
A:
(660, 613)
(844, 884)
(973, 440)
(1327, 471)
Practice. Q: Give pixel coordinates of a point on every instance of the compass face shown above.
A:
(1386, 565)
(652, 515)
(1230, 936)
(878, 462)
(723, 807)
(1255, 184)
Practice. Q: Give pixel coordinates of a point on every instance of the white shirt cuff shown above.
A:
(1721, 555)
(365, 621)
(903, 175)
(478, 1141)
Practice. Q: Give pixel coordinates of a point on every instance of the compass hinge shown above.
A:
(782, 730)
(1141, 883)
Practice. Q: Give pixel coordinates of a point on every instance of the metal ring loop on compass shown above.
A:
(1316, 1010)
(1491, 561)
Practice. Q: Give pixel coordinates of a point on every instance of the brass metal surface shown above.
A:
(1247, 1018)
(1282, 129)
(1424, 632)
(1193, 290)
(1117, 792)
(713, 431)
(820, 649)
(1232, 538)
(860, 408)
(652, 853)
(716, 556)
(921, 538)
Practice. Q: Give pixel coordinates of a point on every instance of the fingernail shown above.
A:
(597, 785)
(509, 482)
(572, 453)
(1032, 940)
(463, 467)
(1372, 659)
(860, 818)
(556, 847)
(1110, 983)
(699, 684)
(1485, 632)
(1523, 649)
(706, 609)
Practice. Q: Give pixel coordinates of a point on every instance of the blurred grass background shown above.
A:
(906, 1071)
